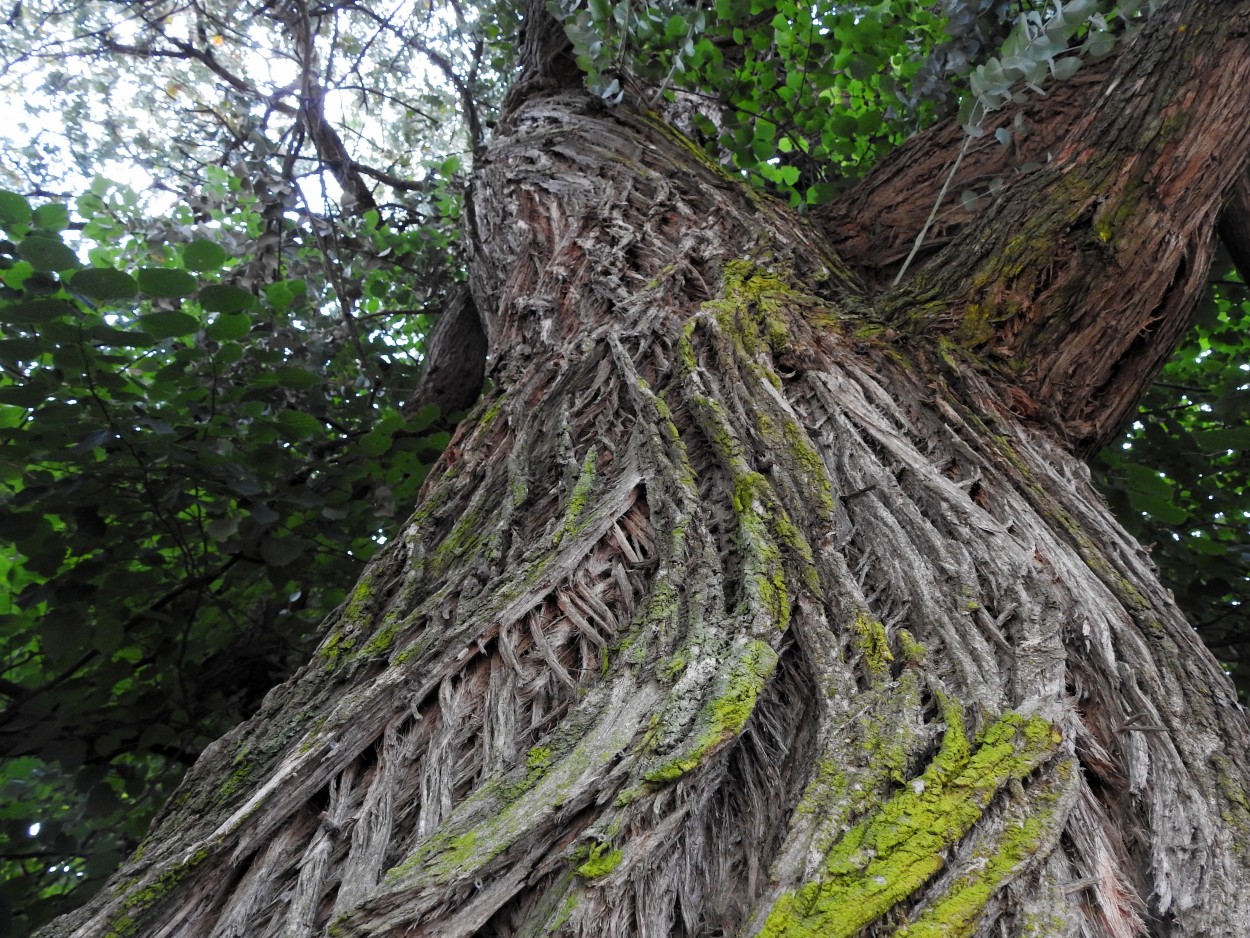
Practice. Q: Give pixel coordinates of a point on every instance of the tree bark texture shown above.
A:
(753, 601)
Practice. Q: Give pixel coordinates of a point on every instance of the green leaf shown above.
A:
(22, 395)
(423, 418)
(292, 376)
(52, 217)
(1231, 438)
(119, 338)
(105, 283)
(203, 256)
(376, 441)
(168, 324)
(1160, 509)
(161, 283)
(1065, 68)
(15, 211)
(20, 350)
(232, 326)
(35, 312)
(221, 529)
(279, 552)
(1144, 481)
(300, 425)
(282, 295)
(47, 253)
(17, 275)
(223, 298)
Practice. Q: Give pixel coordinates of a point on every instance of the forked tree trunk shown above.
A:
(752, 602)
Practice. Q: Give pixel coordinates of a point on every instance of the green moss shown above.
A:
(445, 851)
(491, 414)
(356, 615)
(358, 605)
(747, 680)
(581, 493)
(601, 862)
(632, 794)
(565, 913)
(670, 670)
(241, 771)
(958, 913)
(755, 505)
(829, 786)
(520, 492)
(381, 641)
(725, 714)
(125, 922)
(912, 650)
(538, 760)
(813, 469)
(335, 647)
(886, 858)
(463, 537)
(408, 654)
(873, 643)
(1236, 813)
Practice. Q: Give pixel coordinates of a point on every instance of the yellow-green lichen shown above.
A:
(382, 641)
(581, 494)
(958, 912)
(125, 924)
(755, 505)
(886, 858)
(334, 647)
(565, 913)
(491, 414)
(912, 650)
(602, 861)
(873, 643)
(538, 760)
(725, 714)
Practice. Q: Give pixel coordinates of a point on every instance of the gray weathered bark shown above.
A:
(751, 602)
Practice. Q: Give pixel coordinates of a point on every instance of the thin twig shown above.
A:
(936, 205)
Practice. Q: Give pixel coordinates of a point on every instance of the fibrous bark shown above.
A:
(752, 602)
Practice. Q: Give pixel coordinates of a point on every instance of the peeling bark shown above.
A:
(749, 601)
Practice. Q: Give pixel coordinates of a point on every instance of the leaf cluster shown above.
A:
(198, 452)
(799, 98)
(1179, 477)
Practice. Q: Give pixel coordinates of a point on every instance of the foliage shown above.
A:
(193, 473)
(805, 97)
(1178, 479)
(802, 98)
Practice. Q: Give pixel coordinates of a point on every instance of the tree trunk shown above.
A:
(754, 602)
